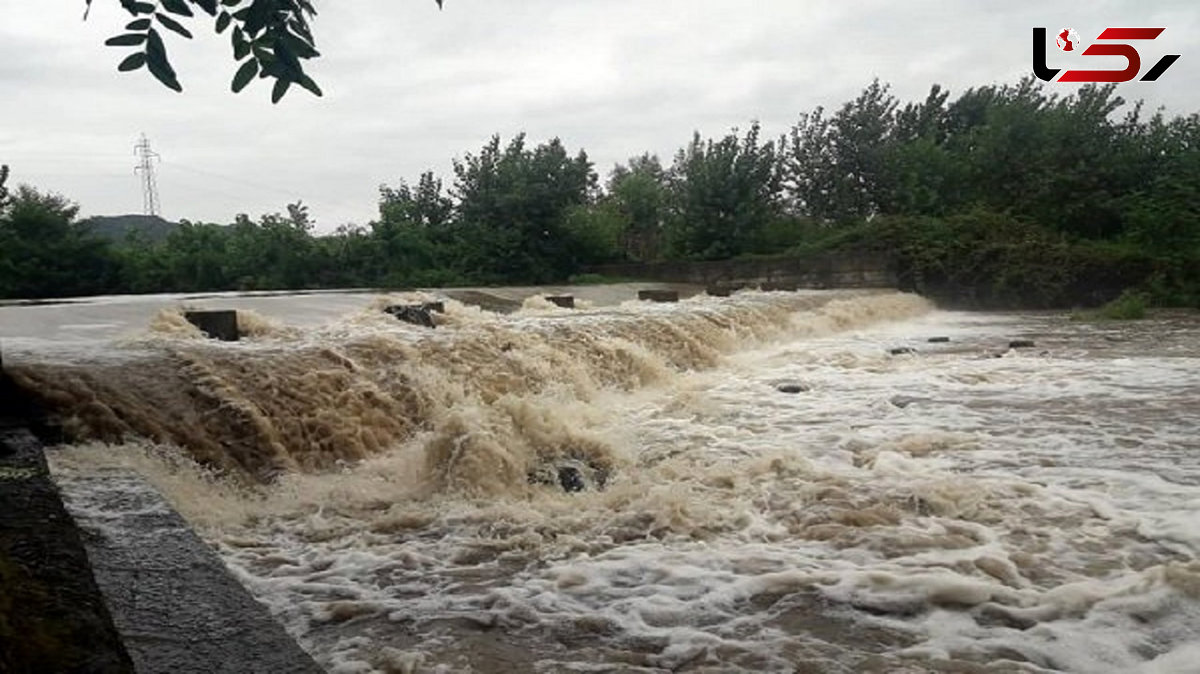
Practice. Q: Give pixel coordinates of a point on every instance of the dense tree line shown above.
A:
(1007, 189)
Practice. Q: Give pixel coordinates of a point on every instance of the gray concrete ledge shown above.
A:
(175, 605)
(52, 615)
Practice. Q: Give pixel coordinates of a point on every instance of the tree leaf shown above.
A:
(140, 24)
(308, 83)
(126, 40)
(162, 70)
(287, 59)
(281, 87)
(300, 47)
(177, 7)
(209, 6)
(241, 46)
(154, 44)
(257, 17)
(223, 20)
(136, 8)
(172, 24)
(132, 62)
(244, 74)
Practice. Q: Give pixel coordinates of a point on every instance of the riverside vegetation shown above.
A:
(1005, 195)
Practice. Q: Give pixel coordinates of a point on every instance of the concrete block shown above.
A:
(221, 324)
(658, 295)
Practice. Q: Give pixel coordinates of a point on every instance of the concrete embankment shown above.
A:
(115, 582)
(173, 602)
(52, 614)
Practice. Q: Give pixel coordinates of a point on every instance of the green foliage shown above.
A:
(639, 192)
(272, 38)
(512, 206)
(1129, 306)
(45, 253)
(724, 193)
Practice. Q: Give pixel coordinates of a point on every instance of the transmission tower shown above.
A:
(146, 159)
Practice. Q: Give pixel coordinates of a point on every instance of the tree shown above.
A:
(724, 192)
(512, 208)
(272, 38)
(639, 193)
(3, 189)
(44, 252)
(836, 167)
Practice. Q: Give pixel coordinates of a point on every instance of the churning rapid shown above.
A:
(388, 491)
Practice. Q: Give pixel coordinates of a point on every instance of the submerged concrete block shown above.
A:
(658, 295)
(564, 301)
(221, 324)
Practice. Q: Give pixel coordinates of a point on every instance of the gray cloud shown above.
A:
(408, 87)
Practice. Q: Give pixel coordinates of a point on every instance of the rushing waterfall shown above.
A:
(950, 507)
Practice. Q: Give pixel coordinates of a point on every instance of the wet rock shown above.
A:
(570, 475)
(570, 479)
(901, 350)
(564, 301)
(904, 401)
(792, 387)
(1021, 344)
(938, 340)
(658, 295)
(435, 307)
(222, 324)
(416, 314)
(718, 291)
(990, 615)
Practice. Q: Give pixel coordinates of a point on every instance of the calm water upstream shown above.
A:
(961, 508)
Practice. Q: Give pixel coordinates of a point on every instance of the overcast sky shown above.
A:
(407, 87)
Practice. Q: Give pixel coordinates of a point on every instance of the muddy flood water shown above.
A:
(395, 495)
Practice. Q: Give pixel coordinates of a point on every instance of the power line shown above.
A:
(145, 166)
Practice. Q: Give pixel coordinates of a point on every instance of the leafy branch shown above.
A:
(271, 38)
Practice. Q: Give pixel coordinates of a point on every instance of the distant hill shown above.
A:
(117, 227)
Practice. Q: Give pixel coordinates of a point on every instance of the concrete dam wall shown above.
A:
(860, 270)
